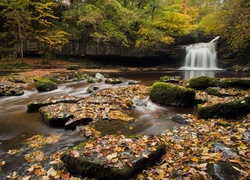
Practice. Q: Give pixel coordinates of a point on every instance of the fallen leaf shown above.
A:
(111, 156)
(195, 159)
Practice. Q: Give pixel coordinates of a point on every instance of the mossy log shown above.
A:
(169, 94)
(44, 84)
(231, 110)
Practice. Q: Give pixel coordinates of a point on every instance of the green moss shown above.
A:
(17, 65)
(169, 94)
(44, 84)
(235, 82)
(92, 167)
(54, 120)
(202, 82)
(231, 110)
(73, 67)
(170, 78)
(213, 91)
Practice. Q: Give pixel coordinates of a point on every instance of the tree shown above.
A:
(231, 22)
(29, 20)
(168, 23)
(100, 21)
(14, 25)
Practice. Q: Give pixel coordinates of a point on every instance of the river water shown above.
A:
(16, 124)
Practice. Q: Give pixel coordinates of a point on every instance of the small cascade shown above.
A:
(201, 56)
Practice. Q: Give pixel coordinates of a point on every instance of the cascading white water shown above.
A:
(201, 56)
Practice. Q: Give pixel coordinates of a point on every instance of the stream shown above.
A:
(16, 125)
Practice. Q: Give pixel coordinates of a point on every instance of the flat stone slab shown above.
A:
(34, 105)
(10, 89)
(113, 157)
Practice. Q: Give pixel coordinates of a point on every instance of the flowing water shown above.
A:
(16, 124)
(201, 56)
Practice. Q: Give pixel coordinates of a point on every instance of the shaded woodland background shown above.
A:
(132, 27)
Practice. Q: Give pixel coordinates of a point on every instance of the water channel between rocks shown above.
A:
(16, 124)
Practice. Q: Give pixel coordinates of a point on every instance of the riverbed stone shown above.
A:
(113, 157)
(170, 78)
(234, 82)
(169, 94)
(179, 119)
(113, 80)
(34, 105)
(57, 114)
(230, 110)
(44, 84)
(10, 89)
(221, 170)
(202, 82)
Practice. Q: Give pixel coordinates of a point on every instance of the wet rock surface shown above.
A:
(106, 104)
(34, 105)
(113, 157)
(11, 89)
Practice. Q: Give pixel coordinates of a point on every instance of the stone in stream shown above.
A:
(57, 114)
(10, 89)
(222, 170)
(113, 157)
(169, 94)
(34, 105)
(45, 84)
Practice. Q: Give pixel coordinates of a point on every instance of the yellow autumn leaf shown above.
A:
(195, 159)
(242, 145)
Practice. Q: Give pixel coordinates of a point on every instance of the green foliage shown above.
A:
(29, 20)
(231, 21)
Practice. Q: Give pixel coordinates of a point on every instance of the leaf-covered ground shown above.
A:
(190, 149)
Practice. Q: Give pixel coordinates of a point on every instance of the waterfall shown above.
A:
(201, 56)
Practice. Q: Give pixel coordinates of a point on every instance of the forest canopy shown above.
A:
(141, 24)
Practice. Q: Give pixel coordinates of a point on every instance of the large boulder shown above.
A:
(113, 157)
(230, 110)
(44, 84)
(169, 94)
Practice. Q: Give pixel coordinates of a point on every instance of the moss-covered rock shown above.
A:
(57, 114)
(113, 80)
(97, 159)
(10, 90)
(214, 91)
(234, 82)
(73, 67)
(44, 84)
(202, 82)
(170, 78)
(169, 94)
(231, 110)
